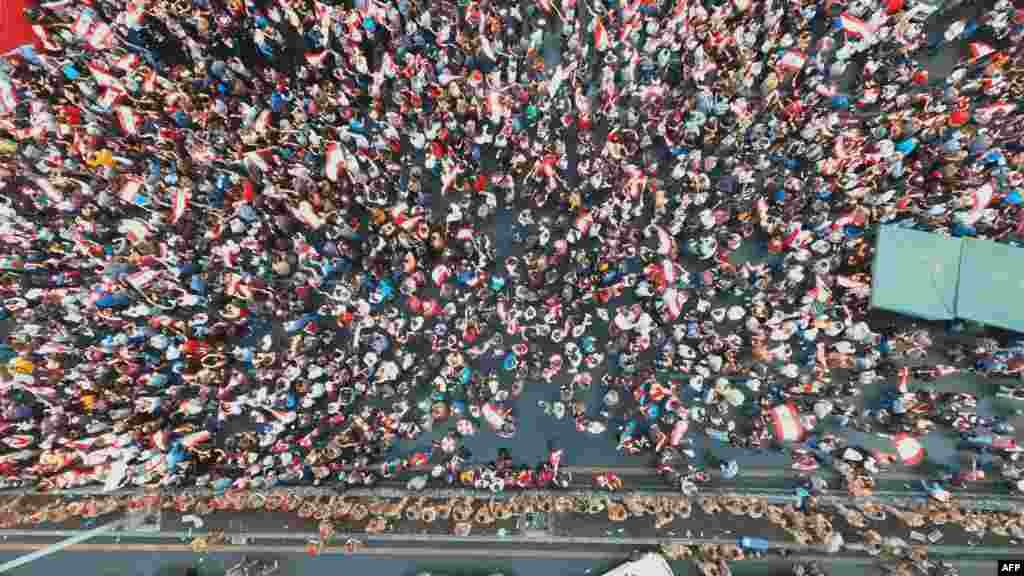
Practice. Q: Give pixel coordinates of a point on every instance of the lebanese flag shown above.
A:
(786, 423)
(668, 270)
(997, 108)
(135, 230)
(195, 439)
(440, 274)
(674, 300)
(44, 38)
(601, 40)
(32, 133)
(284, 416)
(131, 192)
(235, 286)
(111, 96)
(8, 98)
(909, 449)
(305, 214)
(101, 37)
(81, 444)
(102, 76)
(19, 441)
(982, 197)
(853, 26)
(977, 50)
(181, 199)
(262, 121)
(129, 120)
(134, 15)
(494, 106)
(261, 158)
(335, 161)
(317, 59)
(127, 63)
(388, 66)
(82, 24)
(792, 60)
(555, 459)
(149, 83)
(584, 222)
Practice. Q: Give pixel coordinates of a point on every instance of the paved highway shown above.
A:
(169, 563)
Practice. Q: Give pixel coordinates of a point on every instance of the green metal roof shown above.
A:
(938, 278)
(991, 284)
(915, 273)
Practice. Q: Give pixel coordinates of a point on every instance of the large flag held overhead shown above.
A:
(601, 39)
(129, 120)
(792, 60)
(853, 26)
(978, 50)
(335, 161)
(786, 423)
(908, 448)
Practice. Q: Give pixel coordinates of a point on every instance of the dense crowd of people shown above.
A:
(248, 243)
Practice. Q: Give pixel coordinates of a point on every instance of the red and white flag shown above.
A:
(129, 120)
(262, 159)
(101, 37)
(8, 98)
(149, 83)
(82, 24)
(128, 63)
(335, 161)
(317, 59)
(305, 214)
(135, 230)
(235, 287)
(111, 96)
(134, 14)
(19, 441)
(555, 459)
(262, 121)
(786, 423)
(44, 38)
(792, 60)
(854, 26)
(909, 449)
(584, 222)
(195, 439)
(102, 75)
(181, 198)
(33, 132)
(131, 190)
(668, 271)
(977, 50)
(674, 301)
(601, 39)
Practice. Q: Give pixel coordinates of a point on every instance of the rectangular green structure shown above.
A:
(933, 277)
(991, 284)
(915, 273)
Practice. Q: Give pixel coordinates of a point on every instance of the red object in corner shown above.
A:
(15, 29)
(894, 6)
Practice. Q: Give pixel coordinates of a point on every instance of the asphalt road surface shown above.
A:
(132, 559)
